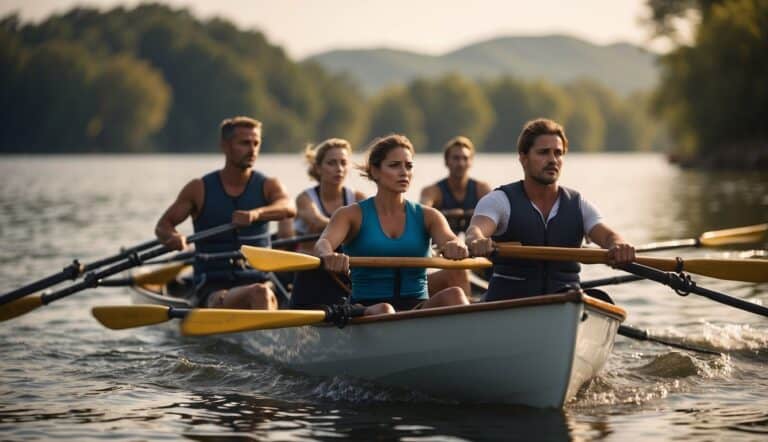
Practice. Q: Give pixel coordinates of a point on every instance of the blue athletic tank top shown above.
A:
(384, 283)
(217, 210)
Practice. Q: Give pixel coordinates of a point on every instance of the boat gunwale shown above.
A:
(576, 296)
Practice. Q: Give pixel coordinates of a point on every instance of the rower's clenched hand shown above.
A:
(244, 218)
(336, 262)
(454, 249)
(621, 253)
(176, 241)
(482, 247)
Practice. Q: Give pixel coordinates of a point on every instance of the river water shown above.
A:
(64, 377)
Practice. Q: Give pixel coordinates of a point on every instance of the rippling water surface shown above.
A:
(63, 376)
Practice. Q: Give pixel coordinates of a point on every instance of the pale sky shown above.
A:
(307, 27)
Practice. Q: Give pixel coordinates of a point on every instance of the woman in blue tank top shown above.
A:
(389, 225)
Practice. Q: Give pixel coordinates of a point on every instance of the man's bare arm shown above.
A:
(186, 204)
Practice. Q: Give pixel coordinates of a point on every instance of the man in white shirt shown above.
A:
(538, 212)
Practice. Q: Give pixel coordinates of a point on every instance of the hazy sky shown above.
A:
(305, 27)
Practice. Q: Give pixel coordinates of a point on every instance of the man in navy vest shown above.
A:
(538, 212)
(456, 197)
(235, 194)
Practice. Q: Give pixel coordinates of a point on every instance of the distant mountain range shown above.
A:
(557, 58)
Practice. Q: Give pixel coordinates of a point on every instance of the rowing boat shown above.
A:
(533, 351)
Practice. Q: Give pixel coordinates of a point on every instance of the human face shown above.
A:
(544, 161)
(334, 166)
(458, 161)
(243, 148)
(395, 172)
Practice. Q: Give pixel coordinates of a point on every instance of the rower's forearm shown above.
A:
(473, 233)
(323, 247)
(275, 212)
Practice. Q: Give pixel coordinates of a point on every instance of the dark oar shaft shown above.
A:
(685, 286)
(72, 272)
(643, 335)
(92, 280)
(610, 281)
(123, 254)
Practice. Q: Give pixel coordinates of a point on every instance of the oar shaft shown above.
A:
(610, 281)
(123, 254)
(668, 245)
(686, 286)
(643, 335)
(418, 262)
(72, 272)
(92, 280)
(752, 270)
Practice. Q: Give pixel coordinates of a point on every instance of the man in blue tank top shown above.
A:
(456, 197)
(235, 194)
(538, 212)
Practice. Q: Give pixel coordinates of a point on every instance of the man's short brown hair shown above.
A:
(539, 126)
(459, 141)
(228, 126)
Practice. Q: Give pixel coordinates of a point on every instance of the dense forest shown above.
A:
(154, 78)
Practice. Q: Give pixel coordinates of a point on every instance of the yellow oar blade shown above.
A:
(20, 306)
(739, 235)
(118, 317)
(161, 276)
(214, 321)
(271, 260)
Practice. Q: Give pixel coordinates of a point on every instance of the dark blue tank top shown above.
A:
(383, 283)
(217, 210)
(516, 278)
(450, 202)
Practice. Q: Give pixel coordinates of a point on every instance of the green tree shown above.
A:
(714, 92)
(53, 103)
(393, 111)
(132, 102)
(452, 106)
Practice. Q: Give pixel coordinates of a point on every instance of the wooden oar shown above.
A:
(209, 321)
(751, 270)
(270, 260)
(17, 307)
(714, 238)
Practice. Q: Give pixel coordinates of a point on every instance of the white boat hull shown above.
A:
(534, 351)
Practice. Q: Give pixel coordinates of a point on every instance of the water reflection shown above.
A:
(217, 417)
(713, 200)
